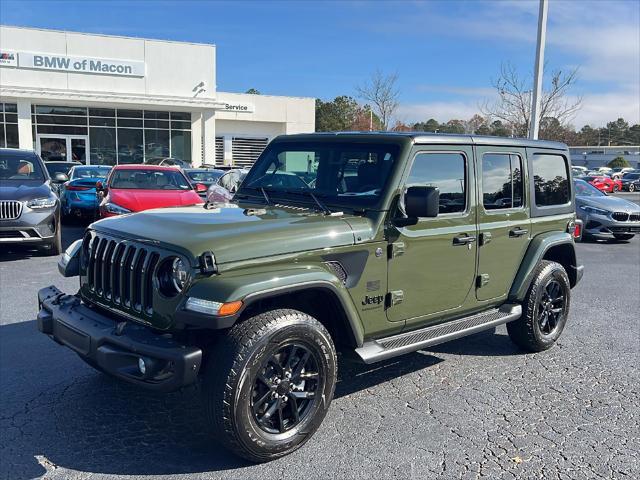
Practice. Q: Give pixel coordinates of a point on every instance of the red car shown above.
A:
(604, 183)
(133, 188)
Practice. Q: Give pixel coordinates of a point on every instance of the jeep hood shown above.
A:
(233, 233)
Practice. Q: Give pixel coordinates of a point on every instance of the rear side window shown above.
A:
(550, 180)
(501, 181)
(447, 171)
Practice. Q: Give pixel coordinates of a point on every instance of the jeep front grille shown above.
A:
(121, 273)
(10, 210)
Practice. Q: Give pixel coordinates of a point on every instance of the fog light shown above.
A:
(142, 366)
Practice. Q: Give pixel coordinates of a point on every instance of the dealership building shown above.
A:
(106, 100)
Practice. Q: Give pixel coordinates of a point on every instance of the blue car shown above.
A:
(78, 196)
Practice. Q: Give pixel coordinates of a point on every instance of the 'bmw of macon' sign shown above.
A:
(96, 66)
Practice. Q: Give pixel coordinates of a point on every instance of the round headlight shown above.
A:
(179, 274)
(172, 276)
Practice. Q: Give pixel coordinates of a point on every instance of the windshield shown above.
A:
(149, 180)
(631, 176)
(20, 166)
(88, 172)
(352, 174)
(204, 176)
(584, 189)
(54, 168)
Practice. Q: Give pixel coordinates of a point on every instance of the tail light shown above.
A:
(75, 188)
(575, 229)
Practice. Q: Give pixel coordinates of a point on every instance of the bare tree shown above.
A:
(513, 106)
(382, 93)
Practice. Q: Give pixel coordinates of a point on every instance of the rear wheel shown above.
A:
(269, 383)
(545, 309)
(623, 236)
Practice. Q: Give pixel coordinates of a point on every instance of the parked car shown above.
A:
(603, 183)
(59, 173)
(168, 162)
(630, 182)
(603, 215)
(204, 176)
(134, 188)
(252, 300)
(78, 196)
(619, 172)
(29, 208)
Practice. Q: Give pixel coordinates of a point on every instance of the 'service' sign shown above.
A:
(96, 66)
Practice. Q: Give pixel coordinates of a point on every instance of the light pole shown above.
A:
(539, 70)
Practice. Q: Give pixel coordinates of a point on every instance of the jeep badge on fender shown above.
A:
(378, 243)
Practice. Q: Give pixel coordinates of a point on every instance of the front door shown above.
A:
(432, 262)
(503, 219)
(63, 148)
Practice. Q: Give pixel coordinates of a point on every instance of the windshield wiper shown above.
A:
(322, 206)
(266, 197)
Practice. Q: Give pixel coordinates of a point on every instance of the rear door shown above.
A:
(503, 218)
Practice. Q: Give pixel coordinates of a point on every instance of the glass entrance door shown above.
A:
(63, 148)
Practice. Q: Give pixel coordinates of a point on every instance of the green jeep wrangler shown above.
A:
(376, 243)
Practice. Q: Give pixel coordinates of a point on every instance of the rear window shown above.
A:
(501, 181)
(550, 180)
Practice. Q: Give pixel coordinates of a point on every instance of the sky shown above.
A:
(445, 53)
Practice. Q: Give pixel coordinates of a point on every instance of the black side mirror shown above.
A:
(60, 177)
(421, 202)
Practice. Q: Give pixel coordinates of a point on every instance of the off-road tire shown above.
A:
(623, 236)
(526, 331)
(231, 374)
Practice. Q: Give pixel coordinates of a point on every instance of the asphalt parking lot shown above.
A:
(473, 408)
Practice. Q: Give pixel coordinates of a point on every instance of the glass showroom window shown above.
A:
(9, 125)
(102, 136)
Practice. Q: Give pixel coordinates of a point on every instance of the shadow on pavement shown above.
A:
(60, 412)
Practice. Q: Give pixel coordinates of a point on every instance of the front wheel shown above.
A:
(632, 187)
(269, 382)
(545, 309)
(623, 236)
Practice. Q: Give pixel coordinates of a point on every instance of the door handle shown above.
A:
(518, 232)
(464, 240)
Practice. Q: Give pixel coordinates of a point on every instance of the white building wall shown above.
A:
(177, 77)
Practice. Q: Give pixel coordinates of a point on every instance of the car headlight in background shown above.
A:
(37, 203)
(173, 276)
(115, 208)
(597, 211)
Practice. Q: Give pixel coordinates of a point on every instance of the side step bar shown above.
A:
(383, 348)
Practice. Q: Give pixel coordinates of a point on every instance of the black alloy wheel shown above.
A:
(545, 309)
(284, 391)
(551, 307)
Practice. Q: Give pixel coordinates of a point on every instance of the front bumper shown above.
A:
(97, 338)
(596, 225)
(32, 226)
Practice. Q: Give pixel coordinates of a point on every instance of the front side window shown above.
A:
(350, 174)
(149, 180)
(447, 172)
(501, 181)
(550, 180)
